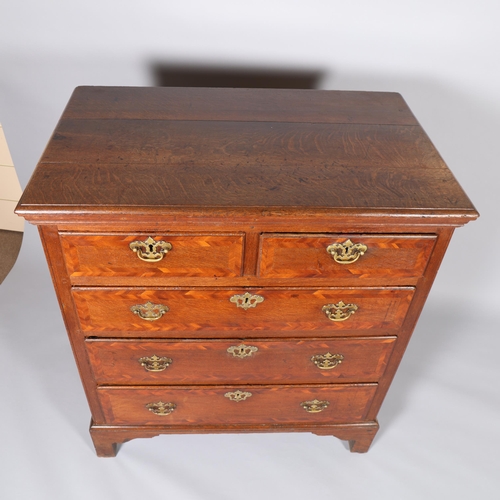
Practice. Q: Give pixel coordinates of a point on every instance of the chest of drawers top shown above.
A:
(127, 153)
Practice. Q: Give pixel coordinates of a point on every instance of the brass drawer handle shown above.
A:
(247, 300)
(155, 363)
(161, 408)
(327, 361)
(314, 406)
(340, 311)
(150, 250)
(238, 395)
(347, 252)
(149, 311)
(242, 350)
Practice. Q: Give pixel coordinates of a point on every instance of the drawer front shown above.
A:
(366, 256)
(217, 313)
(182, 255)
(235, 404)
(121, 362)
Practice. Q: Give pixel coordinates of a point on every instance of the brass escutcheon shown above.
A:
(238, 395)
(155, 363)
(247, 300)
(161, 408)
(149, 311)
(242, 350)
(150, 250)
(327, 361)
(314, 406)
(347, 252)
(339, 311)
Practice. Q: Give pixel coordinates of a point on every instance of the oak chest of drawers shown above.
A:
(232, 260)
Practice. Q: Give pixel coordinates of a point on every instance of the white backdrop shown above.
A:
(440, 423)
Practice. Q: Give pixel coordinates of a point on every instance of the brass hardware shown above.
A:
(247, 300)
(327, 361)
(340, 311)
(149, 311)
(314, 406)
(150, 250)
(237, 395)
(242, 350)
(155, 363)
(347, 252)
(161, 408)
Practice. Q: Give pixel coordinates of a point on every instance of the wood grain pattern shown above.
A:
(305, 256)
(115, 361)
(233, 144)
(94, 187)
(154, 103)
(208, 405)
(192, 255)
(202, 313)
(211, 148)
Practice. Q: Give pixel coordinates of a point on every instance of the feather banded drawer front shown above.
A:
(233, 260)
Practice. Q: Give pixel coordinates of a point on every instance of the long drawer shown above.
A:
(157, 362)
(199, 313)
(353, 256)
(247, 404)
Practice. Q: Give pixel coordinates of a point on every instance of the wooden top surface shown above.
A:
(243, 149)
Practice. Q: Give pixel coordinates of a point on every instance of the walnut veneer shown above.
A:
(235, 260)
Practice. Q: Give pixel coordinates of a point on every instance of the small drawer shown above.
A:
(354, 256)
(151, 255)
(246, 404)
(122, 362)
(209, 313)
